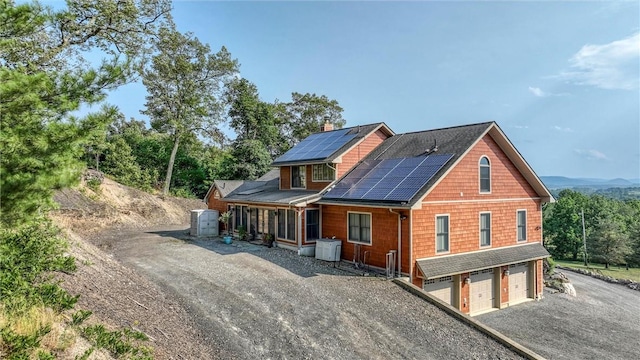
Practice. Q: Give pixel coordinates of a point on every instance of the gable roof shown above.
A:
(454, 142)
(343, 139)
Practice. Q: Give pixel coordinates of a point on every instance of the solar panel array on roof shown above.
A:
(389, 179)
(317, 146)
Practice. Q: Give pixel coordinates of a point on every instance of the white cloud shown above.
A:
(591, 154)
(537, 91)
(560, 128)
(607, 66)
(520, 126)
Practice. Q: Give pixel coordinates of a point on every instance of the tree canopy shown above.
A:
(183, 84)
(43, 78)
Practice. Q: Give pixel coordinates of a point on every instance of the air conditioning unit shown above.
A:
(328, 249)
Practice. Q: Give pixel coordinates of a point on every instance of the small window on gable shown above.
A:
(323, 172)
(485, 175)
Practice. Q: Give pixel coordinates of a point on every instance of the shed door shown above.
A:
(209, 223)
(442, 288)
(481, 292)
(518, 282)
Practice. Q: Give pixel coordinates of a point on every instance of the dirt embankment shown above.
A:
(117, 295)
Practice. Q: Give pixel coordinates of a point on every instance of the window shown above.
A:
(240, 217)
(359, 228)
(485, 175)
(286, 224)
(323, 172)
(485, 229)
(522, 225)
(298, 176)
(291, 224)
(313, 224)
(442, 233)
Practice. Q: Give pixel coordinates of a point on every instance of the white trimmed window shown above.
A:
(359, 225)
(298, 177)
(485, 175)
(521, 216)
(313, 224)
(485, 229)
(442, 233)
(286, 224)
(323, 172)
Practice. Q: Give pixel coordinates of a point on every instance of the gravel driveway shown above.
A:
(260, 303)
(601, 322)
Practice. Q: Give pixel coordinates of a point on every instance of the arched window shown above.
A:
(485, 175)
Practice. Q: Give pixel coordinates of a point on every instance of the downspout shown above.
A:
(399, 241)
(410, 246)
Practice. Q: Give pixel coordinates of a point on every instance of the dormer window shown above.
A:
(298, 177)
(323, 172)
(485, 175)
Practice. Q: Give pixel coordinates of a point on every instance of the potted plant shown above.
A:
(225, 217)
(242, 232)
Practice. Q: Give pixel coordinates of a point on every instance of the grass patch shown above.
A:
(616, 272)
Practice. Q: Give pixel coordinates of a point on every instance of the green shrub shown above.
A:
(121, 344)
(28, 256)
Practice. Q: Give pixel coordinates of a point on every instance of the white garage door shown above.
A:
(481, 292)
(442, 288)
(518, 282)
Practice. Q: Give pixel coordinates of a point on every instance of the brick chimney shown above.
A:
(327, 126)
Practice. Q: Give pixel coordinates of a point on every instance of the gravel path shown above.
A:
(601, 322)
(259, 303)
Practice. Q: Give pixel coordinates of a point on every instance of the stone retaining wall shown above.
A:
(628, 283)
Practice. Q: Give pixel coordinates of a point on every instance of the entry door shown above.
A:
(518, 283)
(481, 292)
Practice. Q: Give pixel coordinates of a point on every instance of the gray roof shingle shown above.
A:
(460, 263)
(260, 192)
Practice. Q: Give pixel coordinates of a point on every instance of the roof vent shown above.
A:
(432, 149)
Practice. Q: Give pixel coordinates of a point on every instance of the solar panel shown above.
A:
(389, 179)
(317, 146)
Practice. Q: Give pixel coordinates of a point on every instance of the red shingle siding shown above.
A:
(216, 204)
(464, 225)
(384, 233)
(504, 285)
(458, 195)
(285, 177)
(506, 180)
(360, 151)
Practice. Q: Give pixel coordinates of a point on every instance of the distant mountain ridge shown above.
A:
(562, 182)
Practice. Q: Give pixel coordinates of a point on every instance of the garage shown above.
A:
(441, 288)
(518, 283)
(481, 295)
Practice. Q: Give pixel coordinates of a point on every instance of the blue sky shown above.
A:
(560, 78)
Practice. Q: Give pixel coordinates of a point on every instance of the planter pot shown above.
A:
(227, 239)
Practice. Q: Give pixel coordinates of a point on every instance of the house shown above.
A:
(456, 210)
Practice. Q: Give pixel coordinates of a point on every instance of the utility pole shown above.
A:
(584, 239)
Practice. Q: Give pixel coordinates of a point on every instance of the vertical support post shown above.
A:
(584, 239)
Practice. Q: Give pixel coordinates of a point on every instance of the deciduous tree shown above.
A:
(183, 83)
